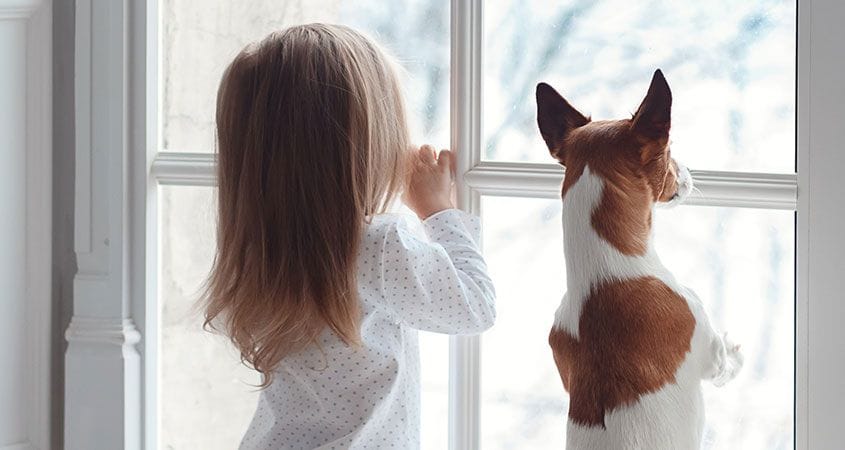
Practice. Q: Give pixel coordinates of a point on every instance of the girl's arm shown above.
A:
(439, 285)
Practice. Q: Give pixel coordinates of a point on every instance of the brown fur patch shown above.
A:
(623, 216)
(616, 154)
(633, 336)
(631, 155)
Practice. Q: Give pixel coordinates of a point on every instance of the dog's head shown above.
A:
(632, 154)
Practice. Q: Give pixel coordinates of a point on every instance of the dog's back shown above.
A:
(630, 343)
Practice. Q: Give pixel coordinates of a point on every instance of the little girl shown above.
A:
(319, 289)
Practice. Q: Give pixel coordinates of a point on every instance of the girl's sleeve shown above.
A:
(439, 285)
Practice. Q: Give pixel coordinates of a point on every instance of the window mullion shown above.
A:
(514, 179)
(714, 188)
(465, 131)
(184, 169)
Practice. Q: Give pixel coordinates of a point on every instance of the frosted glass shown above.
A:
(200, 38)
(731, 66)
(207, 396)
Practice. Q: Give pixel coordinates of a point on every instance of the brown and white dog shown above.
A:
(631, 344)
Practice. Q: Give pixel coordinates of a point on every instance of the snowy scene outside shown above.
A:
(731, 67)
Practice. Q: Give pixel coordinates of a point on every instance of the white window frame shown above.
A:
(116, 294)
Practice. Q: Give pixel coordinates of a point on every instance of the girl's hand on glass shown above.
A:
(429, 183)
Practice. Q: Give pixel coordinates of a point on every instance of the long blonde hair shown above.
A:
(311, 134)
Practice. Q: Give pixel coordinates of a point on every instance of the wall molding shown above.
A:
(103, 374)
(82, 109)
(103, 330)
(34, 19)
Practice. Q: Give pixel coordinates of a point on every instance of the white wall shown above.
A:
(25, 198)
(13, 384)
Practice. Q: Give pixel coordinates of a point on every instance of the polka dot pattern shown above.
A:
(331, 396)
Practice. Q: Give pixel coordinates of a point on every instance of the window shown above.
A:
(732, 70)
(199, 371)
(732, 74)
(740, 261)
(731, 67)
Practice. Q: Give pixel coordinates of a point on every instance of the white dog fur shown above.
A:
(672, 418)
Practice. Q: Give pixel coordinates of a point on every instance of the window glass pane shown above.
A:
(739, 261)
(200, 38)
(731, 66)
(207, 397)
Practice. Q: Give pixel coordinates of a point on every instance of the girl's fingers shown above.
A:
(426, 154)
(444, 161)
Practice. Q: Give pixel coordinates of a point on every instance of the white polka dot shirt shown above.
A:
(333, 396)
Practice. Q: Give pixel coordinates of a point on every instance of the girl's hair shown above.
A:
(311, 135)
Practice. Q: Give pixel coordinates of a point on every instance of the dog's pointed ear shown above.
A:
(556, 119)
(654, 116)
